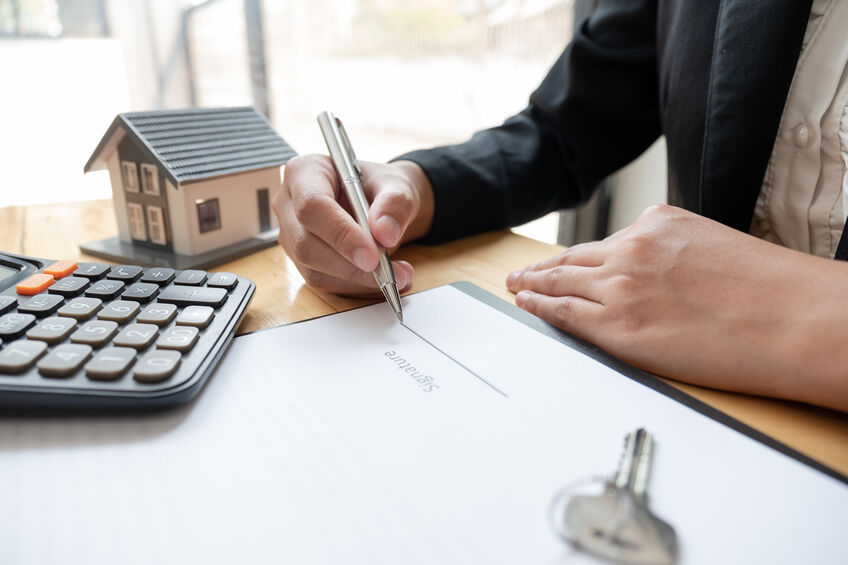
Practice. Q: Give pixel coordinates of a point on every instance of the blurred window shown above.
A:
(29, 18)
(130, 176)
(208, 215)
(156, 225)
(150, 179)
(402, 74)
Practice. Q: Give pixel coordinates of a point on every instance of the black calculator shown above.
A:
(98, 336)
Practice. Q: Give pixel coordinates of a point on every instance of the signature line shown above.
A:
(434, 346)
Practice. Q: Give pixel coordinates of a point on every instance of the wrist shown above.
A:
(422, 192)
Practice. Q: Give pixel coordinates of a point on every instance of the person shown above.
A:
(733, 285)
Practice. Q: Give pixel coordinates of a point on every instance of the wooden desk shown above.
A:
(54, 232)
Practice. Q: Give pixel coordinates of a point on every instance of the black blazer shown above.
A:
(712, 75)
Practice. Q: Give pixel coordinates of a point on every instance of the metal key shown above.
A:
(617, 524)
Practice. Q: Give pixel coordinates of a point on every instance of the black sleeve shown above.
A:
(595, 111)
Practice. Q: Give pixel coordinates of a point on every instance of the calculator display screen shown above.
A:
(6, 272)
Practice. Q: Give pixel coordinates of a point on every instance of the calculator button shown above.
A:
(80, 308)
(222, 280)
(61, 269)
(64, 360)
(105, 289)
(41, 305)
(191, 277)
(141, 292)
(52, 330)
(120, 311)
(7, 303)
(14, 325)
(158, 275)
(68, 286)
(158, 313)
(126, 273)
(188, 295)
(95, 332)
(181, 338)
(91, 270)
(156, 366)
(138, 336)
(38, 282)
(19, 356)
(197, 316)
(110, 363)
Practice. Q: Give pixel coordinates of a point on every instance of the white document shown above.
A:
(350, 439)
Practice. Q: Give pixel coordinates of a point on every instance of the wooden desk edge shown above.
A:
(485, 260)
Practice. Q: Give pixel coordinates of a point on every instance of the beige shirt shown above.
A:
(803, 202)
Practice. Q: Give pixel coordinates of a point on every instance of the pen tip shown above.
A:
(399, 316)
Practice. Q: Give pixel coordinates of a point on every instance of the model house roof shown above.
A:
(197, 143)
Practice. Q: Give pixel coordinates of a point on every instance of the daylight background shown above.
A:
(401, 74)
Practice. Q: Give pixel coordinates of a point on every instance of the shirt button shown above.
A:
(802, 136)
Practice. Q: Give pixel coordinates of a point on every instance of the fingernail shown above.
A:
(391, 230)
(512, 277)
(522, 297)
(362, 259)
(404, 280)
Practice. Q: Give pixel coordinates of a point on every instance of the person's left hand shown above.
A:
(689, 298)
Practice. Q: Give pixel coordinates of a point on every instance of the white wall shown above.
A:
(642, 183)
(118, 197)
(178, 211)
(238, 204)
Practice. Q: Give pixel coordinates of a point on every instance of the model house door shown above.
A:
(264, 209)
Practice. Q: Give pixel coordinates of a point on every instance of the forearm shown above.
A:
(596, 110)
(502, 176)
(773, 326)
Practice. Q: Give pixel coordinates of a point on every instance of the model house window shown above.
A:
(208, 214)
(156, 225)
(149, 179)
(135, 212)
(130, 176)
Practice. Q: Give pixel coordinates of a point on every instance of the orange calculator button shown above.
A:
(35, 284)
(61, 269)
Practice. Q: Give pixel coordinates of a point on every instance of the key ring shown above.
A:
(557, 510)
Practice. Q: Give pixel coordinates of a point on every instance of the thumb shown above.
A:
(390, 214)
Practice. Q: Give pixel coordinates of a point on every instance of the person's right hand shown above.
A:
(322, 238)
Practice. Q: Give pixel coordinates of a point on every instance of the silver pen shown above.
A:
(341, 152)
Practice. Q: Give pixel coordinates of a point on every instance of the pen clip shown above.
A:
(348, 147)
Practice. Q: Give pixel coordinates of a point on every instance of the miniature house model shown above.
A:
(191, 188)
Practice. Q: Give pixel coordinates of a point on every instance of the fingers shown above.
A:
(320, 214)
(591, 254)
(325, 268)
(573, 314)
(561, 280)
(392, 209)
(325, 242)
(312, 254)
(310, 192)
(366, 286)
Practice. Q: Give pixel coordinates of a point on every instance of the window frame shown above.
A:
(200, 205)
(136, 221)
(151, 190)
(125, 174)
(159, 222)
